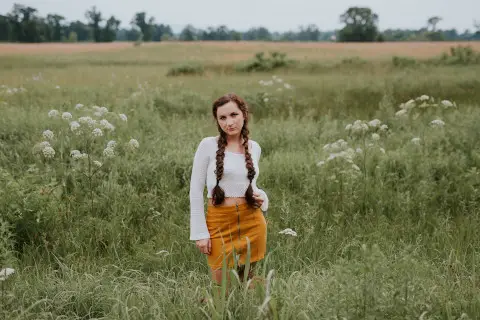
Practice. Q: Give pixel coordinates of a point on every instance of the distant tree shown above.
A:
(145, 27)
(432, 22)
(94, 18)
(81, 29)
(360, 25)
(260, 34)
(188, 33)
(110, 30)
(54, 27)
(162, 32)
(72, 36)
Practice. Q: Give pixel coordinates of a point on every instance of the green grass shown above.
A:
(396, 240)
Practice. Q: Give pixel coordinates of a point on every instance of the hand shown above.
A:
(258, 199)
(204, 245)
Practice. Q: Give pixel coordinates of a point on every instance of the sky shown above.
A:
(276, 15)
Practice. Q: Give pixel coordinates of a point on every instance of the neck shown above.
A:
(234, 139)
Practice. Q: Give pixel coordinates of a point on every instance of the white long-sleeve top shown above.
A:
(234, 181)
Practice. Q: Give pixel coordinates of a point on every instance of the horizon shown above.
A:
(392, 15)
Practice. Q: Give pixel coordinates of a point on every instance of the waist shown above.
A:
(229, 201)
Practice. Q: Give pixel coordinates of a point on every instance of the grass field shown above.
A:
(386, 212)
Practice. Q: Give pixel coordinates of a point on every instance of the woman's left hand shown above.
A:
(258, 199)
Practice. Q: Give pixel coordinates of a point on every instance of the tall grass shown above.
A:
(395, 239)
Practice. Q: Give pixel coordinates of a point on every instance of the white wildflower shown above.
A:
(133, 143)
(289, 232)
(66, 116)
(416, 140)
(123, 117)
(48, 134)
(57, 87)
(265, 100)
(97, 132)
(98, 114)
(401, 113)
(382, 150)
(5, 273)
(78, 106)
(97, 163)
(374, 123)
(375, 136)
(355, 167)
(348, 127)
(76, 154)
(287, 86)
(85, 120)
(44, 144)
(437, 123)
(383, 127)
(53, 113)
(75, 126)
(359, 127)
(103, 110)
(48, 152)
(106, 125)
(424, 97)
(359, 150)
(111, 144)
(109, 152)
(410, 104)
(447, 103)
(320, 163)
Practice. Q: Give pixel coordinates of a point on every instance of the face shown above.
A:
(230, 118)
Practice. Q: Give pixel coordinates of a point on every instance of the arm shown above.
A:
(264, 206)
(198, 225)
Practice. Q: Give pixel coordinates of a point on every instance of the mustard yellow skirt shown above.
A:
(229, 228)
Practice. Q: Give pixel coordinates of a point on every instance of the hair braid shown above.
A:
(218, 194)
(249, 165)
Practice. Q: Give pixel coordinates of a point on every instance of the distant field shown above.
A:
(236, 51)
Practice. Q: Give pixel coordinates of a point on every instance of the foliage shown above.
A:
(360, 25)
(261, 63)
(186, 69)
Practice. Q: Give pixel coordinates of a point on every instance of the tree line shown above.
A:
(24, 24)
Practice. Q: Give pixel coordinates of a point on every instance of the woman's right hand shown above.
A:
(204, 245)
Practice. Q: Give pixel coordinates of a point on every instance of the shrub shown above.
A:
(262, 63)
(186, 69)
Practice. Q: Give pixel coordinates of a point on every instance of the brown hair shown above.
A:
(218, 195)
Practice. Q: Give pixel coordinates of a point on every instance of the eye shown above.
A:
(222, 118)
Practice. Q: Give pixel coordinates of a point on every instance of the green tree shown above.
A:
(188, 33)
(94, 18)
(54, 27)
(110, 30)
(146, 28)
(360, 25)
(433, 21)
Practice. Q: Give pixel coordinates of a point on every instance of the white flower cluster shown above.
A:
(11, 91)
(276, 80)
(423, 102)
(5, 273)
(99, 111)
(437, 123)
(48, 134)
(133, 144)
(106, 125)
(361, 127)
(77, 155)
(339, 150)
(289, 232)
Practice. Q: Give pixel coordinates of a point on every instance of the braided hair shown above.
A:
(218, 195)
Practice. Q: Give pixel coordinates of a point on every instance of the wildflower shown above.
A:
(401, 113)
(265, 100)
(359, 150)
(48, 152)
(424, 97)
(109, 152)
(98, 164)
(447, 104)
(359, 127)
(320, 163)
(437, 123)
(66, 116)
(53, 113)
(287, 86)
(383, 127)
(123, 117)
(44, 144)
(375, 136)
(48, 134)
(57, 87)
(111, 144)
(106, 125)
(74, 126)
(410, 104)
(289, 232)
(76, 154)
(355, 167)
(103, 110)
(97, 132)
(374, 123)
(5, 273)
(85, 120)
(98, 114)
(348, 127)
(78, 106)
(416, 141)
(382, 150)
(133, 144)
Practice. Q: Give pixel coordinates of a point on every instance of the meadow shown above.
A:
(373, 161)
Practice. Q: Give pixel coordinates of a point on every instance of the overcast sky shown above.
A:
(276, 15)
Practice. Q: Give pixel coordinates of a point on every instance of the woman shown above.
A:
(228, 165)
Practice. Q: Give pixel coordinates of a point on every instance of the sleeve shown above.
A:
(264, 206)
(198, 224)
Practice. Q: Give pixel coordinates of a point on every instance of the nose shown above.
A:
(230, 122)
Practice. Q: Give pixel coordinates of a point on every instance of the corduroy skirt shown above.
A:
(229, 228)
